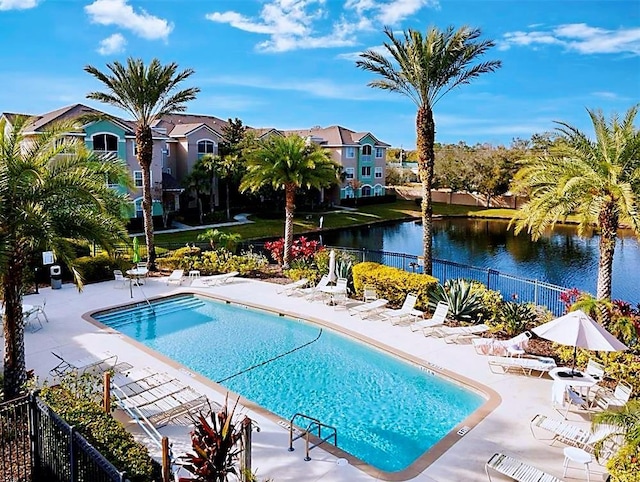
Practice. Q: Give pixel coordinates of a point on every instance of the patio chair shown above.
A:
(39, 309)
(595, 370)
(292, 288)
(29, 319)
(366, 310)
(215, 280)
(457, 334)
(607, 399)
(564, 397)
(369, 294)
(526, 365)
(177, 276)
(340, 297)
(516, 469)
(512, 346)
(572, 435)
(120, 280)
(407, 310)
(313, 293)
(427, 326)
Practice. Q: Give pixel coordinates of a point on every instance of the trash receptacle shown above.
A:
(56, 277)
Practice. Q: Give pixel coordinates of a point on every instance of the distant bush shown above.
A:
(100, 267)
(213, 262)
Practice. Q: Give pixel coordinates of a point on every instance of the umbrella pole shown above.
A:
(575, 354)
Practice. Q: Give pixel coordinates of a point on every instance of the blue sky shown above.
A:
(291, 63)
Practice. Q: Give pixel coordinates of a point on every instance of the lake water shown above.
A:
(560, 257)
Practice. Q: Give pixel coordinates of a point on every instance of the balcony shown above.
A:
(366, 158)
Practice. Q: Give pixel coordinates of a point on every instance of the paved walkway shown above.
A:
(506, 429)
(239, 219)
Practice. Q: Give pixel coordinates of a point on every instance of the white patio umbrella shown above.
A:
(332, 266)
(579, 330)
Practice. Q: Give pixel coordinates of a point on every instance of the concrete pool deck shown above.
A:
(505, 429)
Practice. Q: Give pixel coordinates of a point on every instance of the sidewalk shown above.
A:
(240, 219)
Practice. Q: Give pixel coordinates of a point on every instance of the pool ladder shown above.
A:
(314, 427)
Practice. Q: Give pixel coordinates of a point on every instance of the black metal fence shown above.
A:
(37, 445)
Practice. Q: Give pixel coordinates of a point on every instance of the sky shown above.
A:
(290, 64)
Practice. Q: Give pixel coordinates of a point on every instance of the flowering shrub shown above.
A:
(301, 249)
(569, 297)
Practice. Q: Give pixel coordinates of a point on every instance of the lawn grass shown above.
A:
(336, 219)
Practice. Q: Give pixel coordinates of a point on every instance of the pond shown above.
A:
(561, 257)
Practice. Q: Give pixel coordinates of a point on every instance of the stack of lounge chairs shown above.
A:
(214, 280)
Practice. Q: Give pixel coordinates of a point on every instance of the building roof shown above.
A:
(335, 136)
(171, 122)
(169, 183)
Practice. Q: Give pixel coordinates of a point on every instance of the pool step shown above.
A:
(142, 311)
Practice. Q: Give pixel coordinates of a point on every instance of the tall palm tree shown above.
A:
(52, 189)
(597, 179)
(288, 163)
(424, 69)
(146, 93)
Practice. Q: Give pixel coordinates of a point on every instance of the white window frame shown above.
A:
(350, 172)
(135, 180)
(350, 152)
(365, 171)
(369, 149)
(98, 134)
(377, 173)
(205, 142)
(379, 152)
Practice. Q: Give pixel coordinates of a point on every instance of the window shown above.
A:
(379, 152)
(365, 191)
(366, 150)
(205, 147)
(350, 152)
(378, 173)
(349, 172)
(105, 143)
(366, 171)
(137, 178)
(137, 205)
(377, 191)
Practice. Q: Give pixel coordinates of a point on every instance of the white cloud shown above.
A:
(578, 37)
(113, 44)
(304, 24)
(17, 4)
(121, 14)
(353, 56)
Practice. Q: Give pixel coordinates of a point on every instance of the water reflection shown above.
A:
(560, 257)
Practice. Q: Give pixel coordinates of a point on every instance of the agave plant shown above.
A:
(465, 304)
(514, 318)
(217, 445)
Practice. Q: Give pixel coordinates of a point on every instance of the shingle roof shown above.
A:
(335, 135)
(171, 122)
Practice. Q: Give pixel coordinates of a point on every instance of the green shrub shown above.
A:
(624, 466)
(100, 267)
(393, 284)
(514, 318)
(491, 303)
(213, 262)
(105, 433)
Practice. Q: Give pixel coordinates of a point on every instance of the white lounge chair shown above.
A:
(177, 276)
(369, 294)
(407, 310)
(525, 365)
(438, 319)
(314, 292)
(98, 362)
(214, 280)
(510, 347)
(606, 399)
(366, 310)
(516, 469)
(292, 288)
(455, 334)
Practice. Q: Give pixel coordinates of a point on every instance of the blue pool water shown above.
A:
(387, 412)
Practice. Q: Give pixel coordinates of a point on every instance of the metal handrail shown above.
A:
(314, 423)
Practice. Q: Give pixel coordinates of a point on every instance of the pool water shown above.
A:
(387, 412)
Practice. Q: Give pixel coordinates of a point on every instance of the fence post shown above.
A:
(166, 462)
(33, 419)
(364, 255)
(535, 291)
(106, 392)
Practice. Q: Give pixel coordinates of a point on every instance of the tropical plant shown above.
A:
(514, 318)
(465, 303)
(302, 249)
(146, 93)
(52, 189)
(228, 241)
(217, 445)
(625, 421)
(198, 182)
(424, 69)
(288, 163)
(229, 164)
(594, 179)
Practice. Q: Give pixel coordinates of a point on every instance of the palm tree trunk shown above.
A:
(608, 222)
(228, 208)
(426, 132)
(15, 373)
(289, 208)
(144, 141)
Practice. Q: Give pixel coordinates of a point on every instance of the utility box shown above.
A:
(56, 277)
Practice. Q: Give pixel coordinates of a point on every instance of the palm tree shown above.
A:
(288, 163)
(625, 423)
(146, 93)
(598, 180)
(52, 189)
(424, 69)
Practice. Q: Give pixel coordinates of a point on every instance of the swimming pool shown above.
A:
(387, 412)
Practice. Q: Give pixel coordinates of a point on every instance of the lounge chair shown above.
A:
(427, 326)
(369, 294)
(570, 434)
(99, 362)
(516, 469)
(215, 280)
(510, 347)
(292, 288)
(315, 292)
(607, 399)
(525, 365)
(177, 276)
(366, 310)
(456, 334)
(407, 310)
(340, 296)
